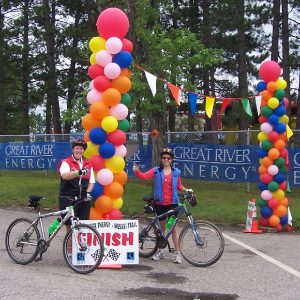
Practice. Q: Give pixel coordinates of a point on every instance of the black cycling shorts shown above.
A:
(82, 210)
(161, 209)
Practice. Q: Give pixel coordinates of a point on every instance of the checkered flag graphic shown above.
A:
(113, 254)
(96, 255)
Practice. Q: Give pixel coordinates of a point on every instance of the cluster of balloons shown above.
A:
(273, 154)
(105, 124)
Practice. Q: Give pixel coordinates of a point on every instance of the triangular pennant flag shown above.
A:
(258, 104)
(290, 218)
(209, 104)
(193, 102)
(289, 131)
(151, 81)
(225, 103)
(175, 90)
(288, 188)
(246, 106)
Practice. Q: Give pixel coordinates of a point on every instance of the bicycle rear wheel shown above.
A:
(21, 241)
(201, 255)
(148, 237)
(83, 249)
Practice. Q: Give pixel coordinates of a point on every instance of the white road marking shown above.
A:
(264, 256)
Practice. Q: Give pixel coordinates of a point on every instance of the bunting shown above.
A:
(258, 104)
(246, 105)
(175, 91)
(193, 102)
(151, 79)
(225, 103)
(209, 105)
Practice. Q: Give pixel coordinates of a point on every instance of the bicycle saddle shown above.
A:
(150, 198)
(33, 200)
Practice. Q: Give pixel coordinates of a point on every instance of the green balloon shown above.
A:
(124, 125)
(273, 186)
(283, 170)
(126, 99)
(261, 202)
(266, 145)
(279, 94)
(279, 162)
(266, 111)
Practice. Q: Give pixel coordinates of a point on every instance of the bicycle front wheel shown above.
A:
(201, 244)
(21, 241)
(148, 242)
(83, 249)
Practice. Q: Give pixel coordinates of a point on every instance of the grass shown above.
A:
(222, 203)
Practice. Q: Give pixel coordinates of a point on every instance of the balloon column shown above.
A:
(105, 124)
(273, 154)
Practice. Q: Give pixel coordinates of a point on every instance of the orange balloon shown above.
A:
(121, 177)
(272, 86)
(267, 161)
(126, 72)
(274, 221)
(283, 136)
(122, 84)
(280, 211)
(103, 204)
(279, 144)
(273, 153)
(284, 201)
(266, 95)
(114, 190)
(86, 136)
(98, 110)
(94, 215)
(111, 97)
(88, 122)
(262, 169)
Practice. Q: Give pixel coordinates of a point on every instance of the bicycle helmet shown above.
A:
(79, 142)
(168, 151)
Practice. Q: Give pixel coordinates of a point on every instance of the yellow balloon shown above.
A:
(117, 203)
(281, 84)
(93, 59)
(116, 163)
(91, 150)
(273, 102)
(97, 43)
(262, 136)
(284, 119)
(279, 194)
(109, 123)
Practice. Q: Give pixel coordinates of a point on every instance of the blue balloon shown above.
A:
(273, 119)
(262, 186)
(280, 128)
(261, 153)
(97, 136)
(284, 220)
(107, 150)
(123, 59)
(262, 85)
(266, 212)
(280, 177)
(279, 111)
(97, 190)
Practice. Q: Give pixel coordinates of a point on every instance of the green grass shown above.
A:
(222, 203)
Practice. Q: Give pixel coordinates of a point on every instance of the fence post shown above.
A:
(248, 143)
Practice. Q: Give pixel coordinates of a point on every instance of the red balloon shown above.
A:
(283, 185)
(95, 70)
(273, 136)
(97, 162)
(262, 119)
(286, 102)
(266, 178)
(102, 83)
(112, 22)
(117, 137)
(114, 214)
(127, 45)
(273, 203)
(264, 221)
(269, 71)
(284, 153)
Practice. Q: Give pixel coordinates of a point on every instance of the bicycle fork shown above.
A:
(198, 240)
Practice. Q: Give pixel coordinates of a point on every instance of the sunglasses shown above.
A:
(166, 157)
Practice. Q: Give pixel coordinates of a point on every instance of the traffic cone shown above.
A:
(254, 227)
(112, 266)
(252, 219)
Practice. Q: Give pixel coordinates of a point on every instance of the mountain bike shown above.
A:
(26, 240)
(201, 243)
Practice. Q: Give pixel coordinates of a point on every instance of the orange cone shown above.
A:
(254, 227)
(251, 221)
(112, 266)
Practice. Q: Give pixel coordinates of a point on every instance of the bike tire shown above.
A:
(81, 260)
(207, 254)
(148, 237)
(21, 241)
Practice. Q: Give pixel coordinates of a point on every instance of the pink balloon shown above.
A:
(127, 45)
(112, 70)
(105, 176)
(91, 85)
(113, 45)
(266, 128)
(273, 170)
(103, 58)
(266, 195)
(119, 111)
(112, 22)
(269, 71)
(93, 96)
(121, 150)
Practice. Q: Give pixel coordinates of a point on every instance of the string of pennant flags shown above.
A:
(193, 96)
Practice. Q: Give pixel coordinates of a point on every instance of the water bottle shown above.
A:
(53, 226)
(170, 222)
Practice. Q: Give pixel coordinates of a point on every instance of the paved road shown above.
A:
(240, 273)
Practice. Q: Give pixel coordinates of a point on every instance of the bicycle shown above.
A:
(83, 247)
(201, 243)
